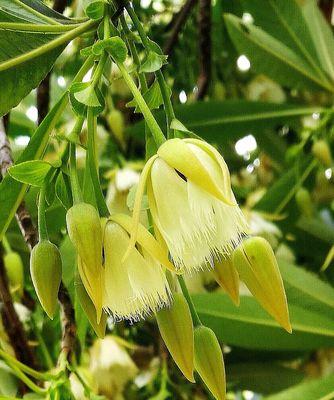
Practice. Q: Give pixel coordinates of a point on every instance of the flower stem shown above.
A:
(42, 228)
(76, 191)
(170, 115)
(194, 315)
(43, 376)
(150, 120)
(92, 163)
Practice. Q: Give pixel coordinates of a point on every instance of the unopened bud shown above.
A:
(15, 273)
(209, 362)
(322, 152)
(176, 328)
(46, 270)
(257, 266)
(89, 309)
(85, 232)
(227, 277)
(304, 202)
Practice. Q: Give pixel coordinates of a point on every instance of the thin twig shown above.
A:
(204, 24)
(326, 6)
(11, 321)
(177, 24)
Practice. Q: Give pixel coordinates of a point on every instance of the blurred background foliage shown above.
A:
(268, 107)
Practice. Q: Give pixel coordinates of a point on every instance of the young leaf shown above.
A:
(153, 62)
(95, 9)
(30, 172)
(114, 45)
(63, 190)
(152, 96)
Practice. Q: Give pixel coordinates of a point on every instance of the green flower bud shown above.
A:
(322, 152)
(89, 309)
(85, 232)
(304, 202)
(257, 266)
(227, 277)
(209, 362)
(176, 328)
(116, 123)
(15, 272)
(46, 269)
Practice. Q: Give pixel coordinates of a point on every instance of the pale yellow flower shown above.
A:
(191, 202)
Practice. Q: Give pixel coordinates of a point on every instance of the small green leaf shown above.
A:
(30, 172)
(153, 62)
(63, 190)
(95, 9)
(152, 96)
(114, 45)
(83, 95)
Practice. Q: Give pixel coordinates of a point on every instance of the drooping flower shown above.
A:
(191, 202)
(135, 286)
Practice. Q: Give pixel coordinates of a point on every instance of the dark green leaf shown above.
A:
(317, 389)
(249, 326)
(152, 96)
(272, 57)
(63, 190)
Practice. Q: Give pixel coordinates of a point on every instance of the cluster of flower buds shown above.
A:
(197, 224)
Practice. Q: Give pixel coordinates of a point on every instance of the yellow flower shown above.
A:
(135, 286)
(191, 202)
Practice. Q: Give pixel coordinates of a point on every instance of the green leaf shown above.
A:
(249, 326)
(322, 35)
(284, 20)
(114, 45)
(11, 191)
(153, 62)
(95, 9)
(63, 190)
(317, 228)
(223, 122)
(152, 96)
(306, 289)
(83, 95)
(30, 172)
(261, 377)
(272, 57)
(317, 389)
(25, 64)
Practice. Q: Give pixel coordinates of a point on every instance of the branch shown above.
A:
(177, 24)
(11, 321)
(326, 6)
(204, 23)
(67, 322)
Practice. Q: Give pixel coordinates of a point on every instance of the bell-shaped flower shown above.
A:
(191, 202)
(136, 286)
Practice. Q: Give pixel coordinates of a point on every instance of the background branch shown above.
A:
(177, 24)
(204, 25)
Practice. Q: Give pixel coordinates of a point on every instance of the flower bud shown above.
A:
(89, 309)
(116, 123)
(46, 269)
(227, 277)
(304, 202)
(322, 152)
(257, 266)
(209, 362)
(15, 272)
(176, 328)
(85, 232)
